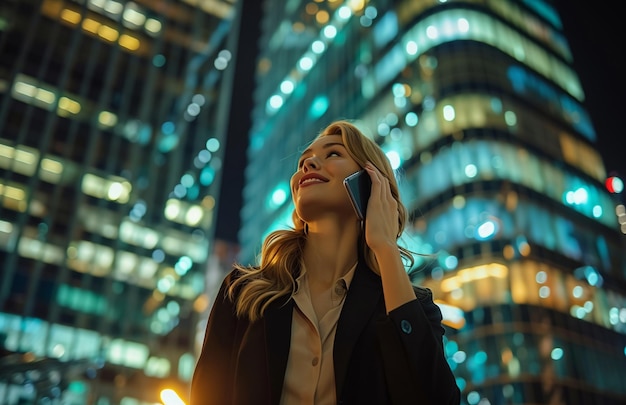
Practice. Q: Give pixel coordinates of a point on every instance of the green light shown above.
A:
(319, 106)
(77, 387)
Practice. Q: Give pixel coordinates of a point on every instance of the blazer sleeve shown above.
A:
(212, 381)
(411, 342)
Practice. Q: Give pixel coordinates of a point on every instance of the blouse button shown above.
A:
(315, 361)
(339, 289)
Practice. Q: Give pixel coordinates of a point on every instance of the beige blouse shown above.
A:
(310, 374)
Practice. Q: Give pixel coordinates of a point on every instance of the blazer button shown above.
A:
(406, 326)
(315, 361)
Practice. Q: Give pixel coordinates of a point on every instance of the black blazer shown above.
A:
(379, 359)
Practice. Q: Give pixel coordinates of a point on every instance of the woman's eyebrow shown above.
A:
(325, 146)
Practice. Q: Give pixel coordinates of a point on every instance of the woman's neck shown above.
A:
(330, 252)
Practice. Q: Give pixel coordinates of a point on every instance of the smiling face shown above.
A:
(317, 185)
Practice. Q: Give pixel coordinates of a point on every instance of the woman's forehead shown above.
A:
(323, 141)
(327, 138)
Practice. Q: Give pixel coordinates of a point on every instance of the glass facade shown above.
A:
(479, 110)
(110, 159)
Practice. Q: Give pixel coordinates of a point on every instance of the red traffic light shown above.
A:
(614, 184)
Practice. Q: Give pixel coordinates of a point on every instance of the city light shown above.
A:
(614, 184)
(170, 397)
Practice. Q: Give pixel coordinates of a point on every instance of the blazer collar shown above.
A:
(277, 319)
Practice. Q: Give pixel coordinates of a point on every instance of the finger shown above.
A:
(376, 177)
(383, 187)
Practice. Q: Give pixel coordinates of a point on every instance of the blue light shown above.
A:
(411, 119)
(319, 106)
(557, 353)
(168, 127)
(207, 175)
(278, 197)
(158, 60)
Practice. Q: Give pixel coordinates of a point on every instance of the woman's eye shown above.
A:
(331, 153)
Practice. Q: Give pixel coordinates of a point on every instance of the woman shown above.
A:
(330, 315)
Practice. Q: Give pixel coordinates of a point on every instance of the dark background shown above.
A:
(598, 43)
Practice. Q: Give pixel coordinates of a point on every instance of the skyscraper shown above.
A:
(111, 151)
(479, 109)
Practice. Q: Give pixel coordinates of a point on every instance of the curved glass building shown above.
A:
(480, 111)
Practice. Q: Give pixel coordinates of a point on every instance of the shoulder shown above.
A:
(231, 283)
(233, 275)
(241, 274)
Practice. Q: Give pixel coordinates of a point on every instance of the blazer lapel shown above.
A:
(278, 319)
(362, 300)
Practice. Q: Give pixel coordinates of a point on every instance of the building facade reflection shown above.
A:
(479, 109)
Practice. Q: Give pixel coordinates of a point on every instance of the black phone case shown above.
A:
(359, 186)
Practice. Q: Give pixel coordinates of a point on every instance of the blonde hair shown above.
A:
(258, 286)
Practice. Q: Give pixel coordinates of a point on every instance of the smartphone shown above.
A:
(359, 185)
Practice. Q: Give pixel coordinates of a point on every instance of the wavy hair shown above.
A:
(256, 287)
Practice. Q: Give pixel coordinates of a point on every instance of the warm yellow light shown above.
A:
(450, 284)
(201, 303)
(508, 252)
(322, 17)
(14, 198)
(473, 274)
(129, 42)
(107, 118)
(208, 202)
(356, 5)
(108, 33)
(52, 166)
(452, 315)
(158, 295)
(311, 8)
(90, 25)
(70, 16)
(13, 193)
(524, 249)
(170, 397)
(69, 105)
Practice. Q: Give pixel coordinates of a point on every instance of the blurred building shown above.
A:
(111, 151)
(479, 110)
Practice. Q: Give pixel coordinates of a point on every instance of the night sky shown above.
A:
(597, 41)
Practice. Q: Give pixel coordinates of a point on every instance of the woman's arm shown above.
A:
(415, 364)
(381, 234)
(410, 337)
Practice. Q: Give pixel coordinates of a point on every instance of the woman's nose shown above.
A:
(311, 163)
